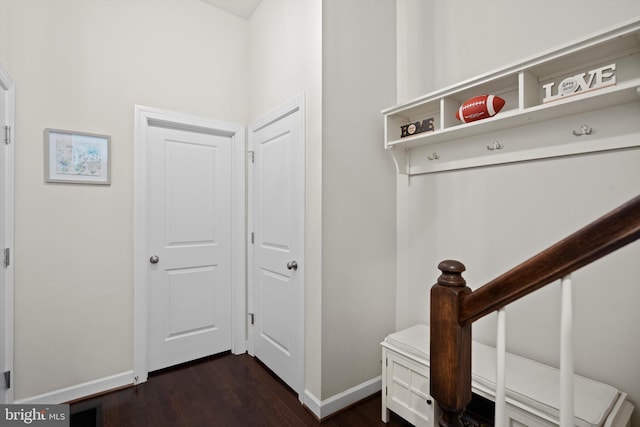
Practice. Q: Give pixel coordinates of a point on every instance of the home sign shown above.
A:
(581, 83)
(417, 127)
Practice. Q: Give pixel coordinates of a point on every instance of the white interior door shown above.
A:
(278, 241)
(189, 241)
(6, 235)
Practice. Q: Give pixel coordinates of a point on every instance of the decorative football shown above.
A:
(479, 107)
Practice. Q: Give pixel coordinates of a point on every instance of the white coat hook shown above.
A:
(584, 130)
(495, 146)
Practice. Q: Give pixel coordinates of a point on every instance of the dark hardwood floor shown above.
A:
(225, 390)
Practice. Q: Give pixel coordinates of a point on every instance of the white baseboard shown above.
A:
(324, 408)
(81, 390)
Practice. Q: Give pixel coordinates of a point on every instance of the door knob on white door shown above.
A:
(292, 265)
(154, 259)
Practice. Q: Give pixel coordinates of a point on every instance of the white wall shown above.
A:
(493, 218)
(443, 42)
(496, 217)
(358, 191)
(286, 56)
(83, 65)
(350, 249)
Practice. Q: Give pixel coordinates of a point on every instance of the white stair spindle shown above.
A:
(566, 355)
(501, 352)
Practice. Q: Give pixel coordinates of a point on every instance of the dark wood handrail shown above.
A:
(454, 307)
(603, 236)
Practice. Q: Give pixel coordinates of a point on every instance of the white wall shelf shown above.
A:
(521, 85)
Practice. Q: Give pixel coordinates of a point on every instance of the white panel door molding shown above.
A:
(6, 234)
(276, 265)
(189, 290)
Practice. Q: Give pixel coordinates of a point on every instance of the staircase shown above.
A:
(454, 308)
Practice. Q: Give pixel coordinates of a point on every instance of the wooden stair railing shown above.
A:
(454, 307)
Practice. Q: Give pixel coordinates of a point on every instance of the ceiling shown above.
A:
(241, 8)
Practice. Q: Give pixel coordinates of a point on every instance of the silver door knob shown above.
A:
(154, 259)
(292, 265)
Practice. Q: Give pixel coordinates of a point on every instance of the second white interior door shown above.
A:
(278, 227)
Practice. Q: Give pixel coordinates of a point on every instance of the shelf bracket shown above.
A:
(401, 160)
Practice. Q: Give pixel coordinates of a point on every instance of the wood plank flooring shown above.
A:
(225, 390)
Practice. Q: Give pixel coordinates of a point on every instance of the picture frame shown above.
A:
(77, 157)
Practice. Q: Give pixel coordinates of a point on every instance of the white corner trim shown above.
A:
(324, 408)
(78, 391)
(312, 403)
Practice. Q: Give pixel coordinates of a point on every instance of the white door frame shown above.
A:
(7, 85)
(145, 117)
(297, 103)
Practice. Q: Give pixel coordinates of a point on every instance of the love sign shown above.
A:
(580, 83)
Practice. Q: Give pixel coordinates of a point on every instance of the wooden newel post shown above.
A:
(450, 348)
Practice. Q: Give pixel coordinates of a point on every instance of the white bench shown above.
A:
(532, 396)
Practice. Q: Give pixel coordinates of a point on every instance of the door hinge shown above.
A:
(253, 236)
(386, 391)
(6, 261)
(251, 155)
(7, 379)
(7, 135)
(386, 361)
(251, 318)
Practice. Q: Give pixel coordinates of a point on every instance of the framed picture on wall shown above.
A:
(77, 157)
